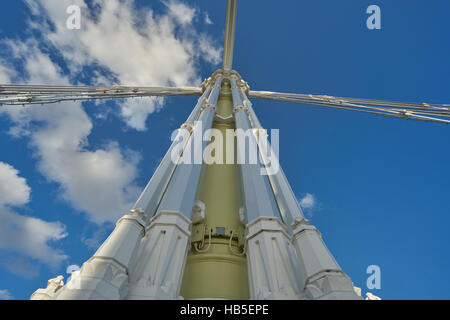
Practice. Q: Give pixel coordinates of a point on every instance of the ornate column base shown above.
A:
(98, 279)
(330, 285)
(105, 275)
(49, 293)
(161, 258)
(321, 277)
(271, 261)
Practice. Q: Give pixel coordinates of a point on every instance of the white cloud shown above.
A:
(5, 295)
(97, 237)
(182, 13)
(99, 182)
(13, 189)
(5, 73)
(31, 237)
(210, 53)
(135, 111)
(134, 47)
(25, 235)
(308, 201)
(120, 45)
(207, 19)
(19, 264)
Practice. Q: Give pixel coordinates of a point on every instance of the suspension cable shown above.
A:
(37, 94)
(411, 111)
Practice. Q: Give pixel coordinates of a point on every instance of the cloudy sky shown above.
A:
(377, 188)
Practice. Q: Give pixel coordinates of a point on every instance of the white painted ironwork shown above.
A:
(151, 196)
(145, 255)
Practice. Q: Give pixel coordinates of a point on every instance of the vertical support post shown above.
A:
(284, 196)
(162, 255)
(320, 275)
(230, 26)
(180, 194)
(271, 257)
(151, 197)
(216, 267)
(258, 196)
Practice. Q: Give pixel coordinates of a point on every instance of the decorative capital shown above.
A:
(244, 86)
(301, 226)
(240, 108)
(235, 77)
(208, 106)
(211, 81)
(188, 126)
(136, 215)
(226, 76)
(299, 221)
(259, 131)
(137, 212)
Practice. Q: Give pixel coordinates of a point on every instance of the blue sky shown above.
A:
(380, 186)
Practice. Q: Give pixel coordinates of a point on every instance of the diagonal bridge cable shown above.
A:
(404, 110)
(44, 94)
(40, 94)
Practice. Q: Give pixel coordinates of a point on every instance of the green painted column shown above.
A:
(213, 270)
